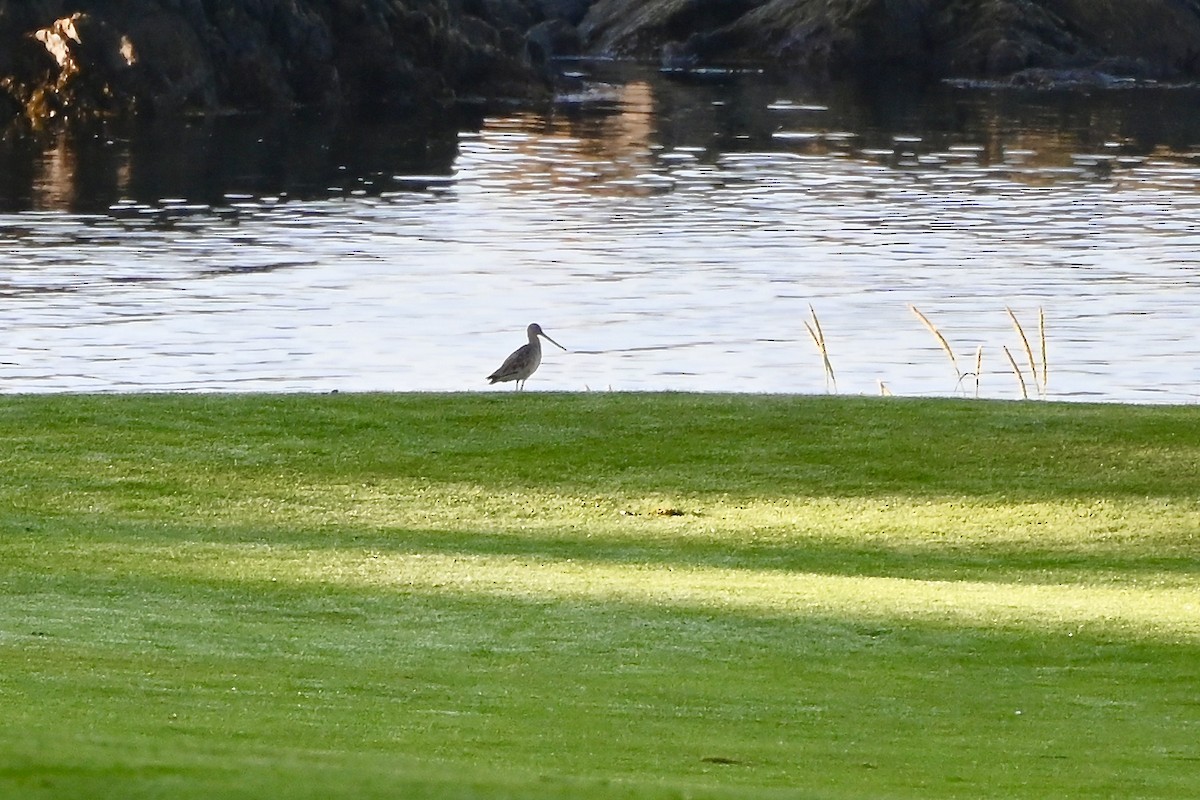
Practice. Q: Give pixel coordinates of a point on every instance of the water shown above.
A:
(676, 232)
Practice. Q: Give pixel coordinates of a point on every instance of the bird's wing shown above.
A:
(512, 365)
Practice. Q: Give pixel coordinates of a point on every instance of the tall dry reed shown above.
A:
(978, 368)
(1042, 337)
(1017, 372)
(941, 340)
(818, 337)
(1039, 376)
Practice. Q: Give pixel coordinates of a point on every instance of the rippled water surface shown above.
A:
(675, 232)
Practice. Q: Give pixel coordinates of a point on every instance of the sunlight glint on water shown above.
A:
(665, 255)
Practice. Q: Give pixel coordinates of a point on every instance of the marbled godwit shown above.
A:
(524, 360)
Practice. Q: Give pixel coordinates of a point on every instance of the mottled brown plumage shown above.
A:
(524, 361)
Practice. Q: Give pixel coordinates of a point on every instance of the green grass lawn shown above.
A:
(597, 596)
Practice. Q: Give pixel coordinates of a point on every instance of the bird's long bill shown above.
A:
(548, 339)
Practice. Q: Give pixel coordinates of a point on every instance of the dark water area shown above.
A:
(675, 231)
(90, 168)
(303, 156)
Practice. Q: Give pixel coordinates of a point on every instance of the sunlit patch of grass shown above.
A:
(1065, 585)
(1153, 606)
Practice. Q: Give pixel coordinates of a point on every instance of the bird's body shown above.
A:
(524, 361)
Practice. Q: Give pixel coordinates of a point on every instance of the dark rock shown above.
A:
(571, 12)
(680, 55)
(90, 67)
(1005, 57)
(937, 38)
(99, 58)
(553, 38)
(639, 29)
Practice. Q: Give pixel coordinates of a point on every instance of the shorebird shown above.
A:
(524, 360)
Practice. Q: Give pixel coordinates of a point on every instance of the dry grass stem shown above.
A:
(818, 337)
(1017, 372)
(978, 368)
(1033, 370)
(941, 339)
(1042, 337)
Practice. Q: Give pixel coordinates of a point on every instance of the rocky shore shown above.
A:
(936, 39)
(79, 58)
(64, 59)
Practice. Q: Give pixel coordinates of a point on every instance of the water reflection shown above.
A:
(673, 231)
(205, 160)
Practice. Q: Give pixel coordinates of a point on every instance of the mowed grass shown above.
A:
(597, 596)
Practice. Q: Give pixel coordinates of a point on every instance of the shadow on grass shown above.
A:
(690, 444)
(646, 691)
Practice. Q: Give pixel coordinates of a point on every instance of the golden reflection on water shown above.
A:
(58, 178)
(630, 134)
(622, 148)
(607, 154)
(54, 181)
